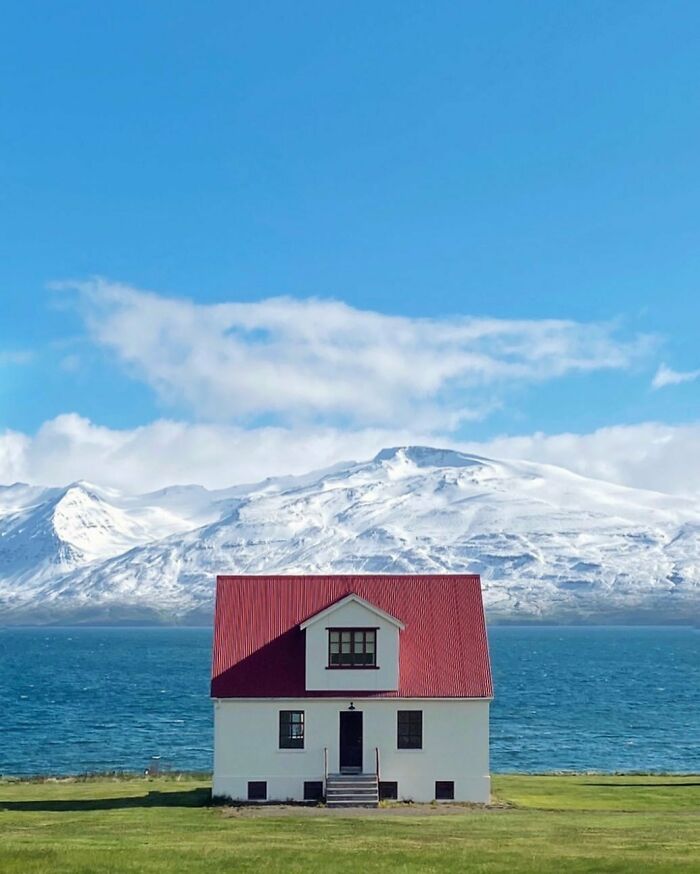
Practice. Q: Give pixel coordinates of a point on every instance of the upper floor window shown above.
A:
(291, 729)
(352, 648)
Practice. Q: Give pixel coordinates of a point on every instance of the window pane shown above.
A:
(359, 637)
(369, 644)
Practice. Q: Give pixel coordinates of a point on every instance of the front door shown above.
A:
(350, 740)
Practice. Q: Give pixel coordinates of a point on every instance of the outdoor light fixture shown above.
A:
(352, 706)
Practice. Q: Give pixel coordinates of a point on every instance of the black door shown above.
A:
(350, 740)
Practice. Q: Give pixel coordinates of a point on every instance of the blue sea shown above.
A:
(587, 699)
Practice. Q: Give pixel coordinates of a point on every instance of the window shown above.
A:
(409, 725)
(257, 790)
(313, 790)
(291, 729)
(388, 790)
(444, 790)
(352, 648)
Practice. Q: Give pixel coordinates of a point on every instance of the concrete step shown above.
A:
(351, 787)
(353, 778)
(335, 787)
(352, 782)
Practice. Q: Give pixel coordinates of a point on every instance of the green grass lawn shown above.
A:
(552, 824)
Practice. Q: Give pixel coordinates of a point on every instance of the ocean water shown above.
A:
(97, 699)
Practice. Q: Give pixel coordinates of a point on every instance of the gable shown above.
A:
(362, 614)
(342, 621)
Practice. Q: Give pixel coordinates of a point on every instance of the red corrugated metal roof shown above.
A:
(259, 649)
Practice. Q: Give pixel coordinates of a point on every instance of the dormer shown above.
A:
(352, 646)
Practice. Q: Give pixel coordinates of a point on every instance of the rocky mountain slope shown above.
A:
(549, 544)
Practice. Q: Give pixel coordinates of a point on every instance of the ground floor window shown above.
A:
(444, 790)
(257, 790)
(388, 790)
(409, 727)
(313, 790)
(291, 729)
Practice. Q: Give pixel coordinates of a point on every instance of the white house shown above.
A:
(351, 688)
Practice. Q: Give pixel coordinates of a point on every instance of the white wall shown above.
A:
(319, 677)
(455, 746)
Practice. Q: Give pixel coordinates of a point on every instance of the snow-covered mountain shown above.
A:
(549, 544)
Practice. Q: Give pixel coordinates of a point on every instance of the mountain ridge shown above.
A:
(551, 545)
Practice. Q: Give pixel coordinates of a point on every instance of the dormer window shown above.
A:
(352, 647)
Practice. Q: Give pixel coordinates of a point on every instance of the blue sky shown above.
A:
(450, 162)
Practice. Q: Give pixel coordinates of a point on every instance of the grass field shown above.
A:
(545, 824)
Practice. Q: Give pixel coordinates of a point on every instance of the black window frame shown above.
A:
(444, 790)
(289, 738)
(360, 657)
(257, 790)
(409, 729)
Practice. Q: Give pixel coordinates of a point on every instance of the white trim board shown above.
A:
(352, 597)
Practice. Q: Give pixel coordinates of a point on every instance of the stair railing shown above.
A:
(325, 770)
(376, 762)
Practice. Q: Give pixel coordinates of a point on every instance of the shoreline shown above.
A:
(177, 776)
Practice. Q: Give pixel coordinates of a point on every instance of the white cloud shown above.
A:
(69, 447)
(650, 455)
(164, 453)
(340, 384)
(667, 376)
(324, 361)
